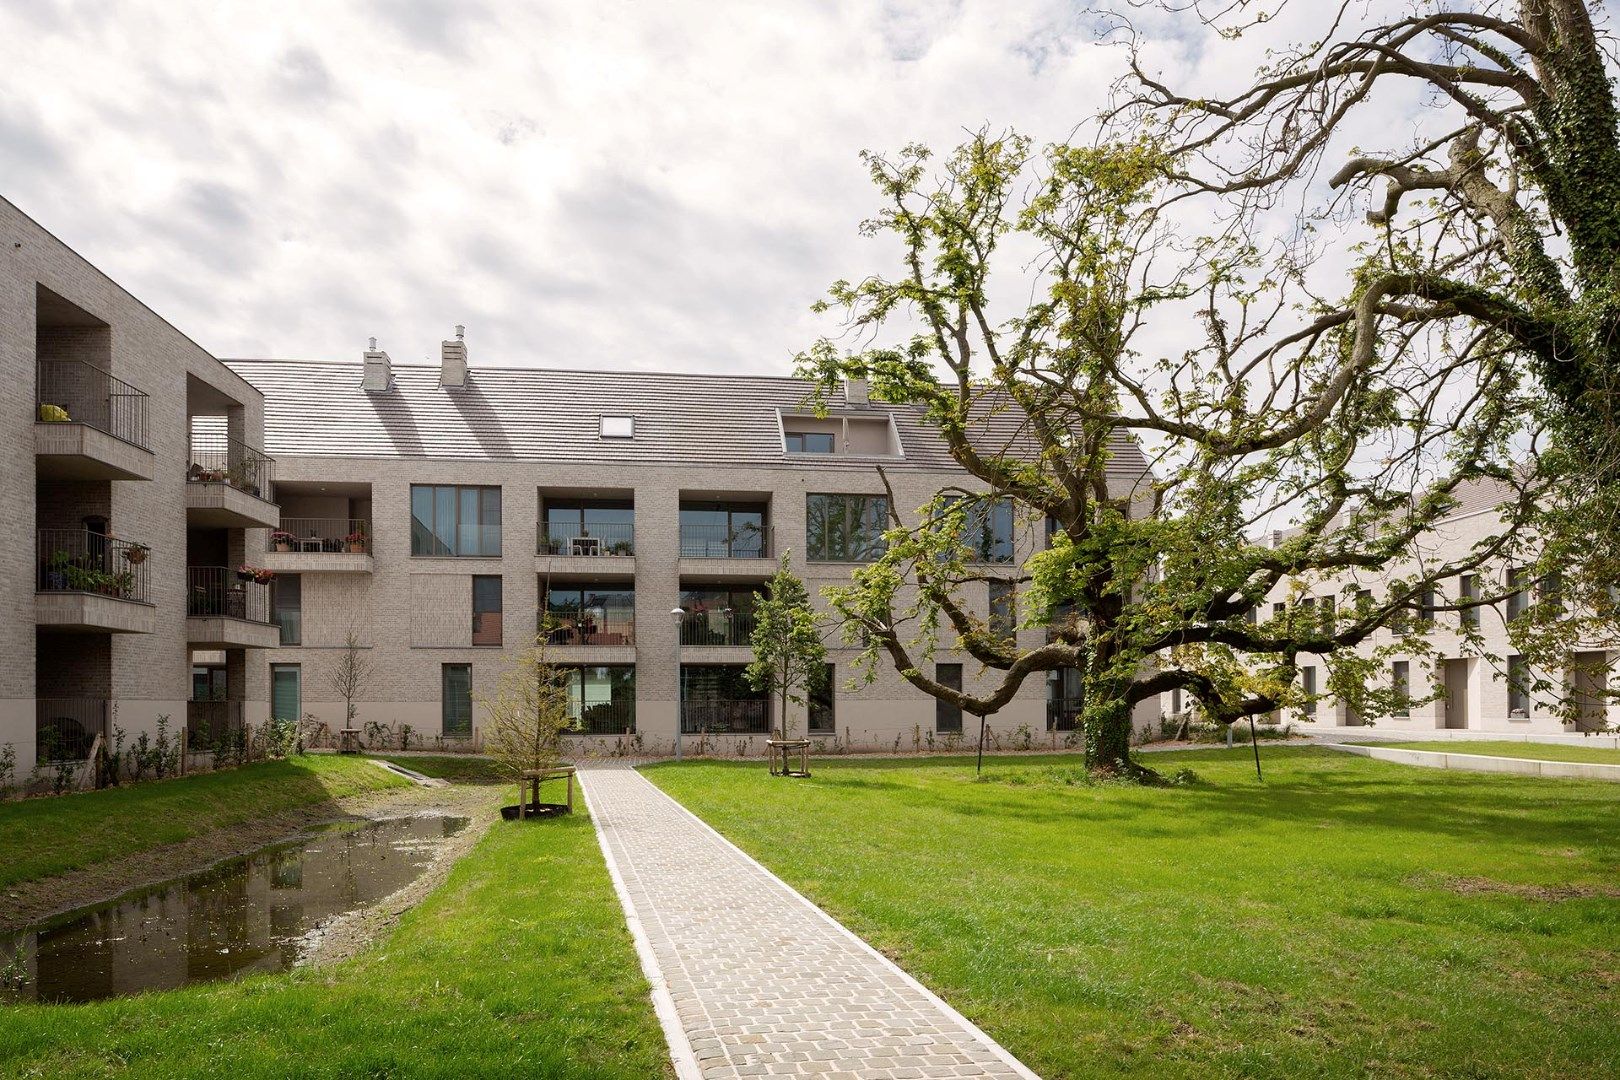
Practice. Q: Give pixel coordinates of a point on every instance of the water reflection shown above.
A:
(248, 915)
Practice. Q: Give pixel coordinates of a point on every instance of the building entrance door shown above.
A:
(1456, 673)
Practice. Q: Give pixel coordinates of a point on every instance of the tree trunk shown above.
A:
(1106, 719)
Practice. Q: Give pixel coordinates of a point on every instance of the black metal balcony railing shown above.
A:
(717, 628)
(211, 724)
(1063, 714)
(77, 560)
(72, 391)
(65, 729)
(719, 716)
(329, 535)
(606, 718)
(219, 459)
(571, 538)
(725, 542)
(216, 591)
(587, 628)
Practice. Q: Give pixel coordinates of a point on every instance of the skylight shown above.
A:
(618, 427)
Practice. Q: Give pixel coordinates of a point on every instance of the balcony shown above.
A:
(723, 716)
(65, 729)
(717, 629)
(596, 629)
(320, 546)
(725, 541)
(89, 425)
(89, 583)
(562, 546)
(230, 485)
(223, 611)
(605, 718)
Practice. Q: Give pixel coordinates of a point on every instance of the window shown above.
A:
(1065, 699)
(845, 528)
(1003, 617)
(588, 527)
(823, 704)
(602, 698)
(1307, 679)
(1175, 702)
(455, 521)
(948, 717)
(591, 615)
(720, 530)
(1278, 610)
(987, 528)
(1400, 683)
(1518, 580)
(287, 596)
(1552, 591)
(486, 609)
(1426, 610)
(717, 616)
(1326, 614)
(208, 683)
(1468, 589)
(285, 686)
(455, 699)
(719, 699)
(618, 427)
(808, 442)
(1518, 694)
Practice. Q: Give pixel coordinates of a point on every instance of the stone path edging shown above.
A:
(988, 1052)
(1485, 763)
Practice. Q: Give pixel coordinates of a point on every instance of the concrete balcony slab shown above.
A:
(318, 562)
(218, 504)
(224, 632)
(93, 613)
(81, 452)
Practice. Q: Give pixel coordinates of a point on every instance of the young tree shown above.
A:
(789, 654)
(1258, 412)
(528, 713)
(349, 674)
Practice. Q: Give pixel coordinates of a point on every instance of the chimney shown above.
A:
(855, 392)
(453, 371)
(378, 373)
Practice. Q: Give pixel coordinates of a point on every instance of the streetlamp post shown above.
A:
(680, 720)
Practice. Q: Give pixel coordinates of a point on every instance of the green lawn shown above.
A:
(456, 768)
(519, 965)
(1346, 918)
(44, 836)
(1531, 751)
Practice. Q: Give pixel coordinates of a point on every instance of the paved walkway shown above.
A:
(750, 978)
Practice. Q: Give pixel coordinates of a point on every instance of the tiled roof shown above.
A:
(316, 408)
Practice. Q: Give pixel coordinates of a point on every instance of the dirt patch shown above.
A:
(1480, 886)
(346, 935)
(32, 901)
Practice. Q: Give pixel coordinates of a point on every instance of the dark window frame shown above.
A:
(852, 545)
(821, 710)
(279, 588)
(445, 505)
(445, 715)
(948, 717)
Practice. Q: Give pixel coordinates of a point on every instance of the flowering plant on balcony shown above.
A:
(282, 539)
(254, 573)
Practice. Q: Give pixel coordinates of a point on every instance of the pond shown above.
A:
(258, 913)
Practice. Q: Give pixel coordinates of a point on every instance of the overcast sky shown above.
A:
(662, 185)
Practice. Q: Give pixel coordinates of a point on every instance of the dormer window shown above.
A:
(618, 427)
(809, 442)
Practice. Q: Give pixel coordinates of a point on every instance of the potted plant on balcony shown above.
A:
(136, 554)
(282, 540)
(356, 540)
(263, 576)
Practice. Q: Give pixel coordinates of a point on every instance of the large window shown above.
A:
(458, 521)
(602, 699)
(948, 717)
(987, 529)
(1065, 699)
(718, 616)
(808, 442)
(718, 530)
(1401, 684)
(718, 699)
(591, 615)
(486, 609)
(1307, 679)
(1467, 590)
(455, 699)
(287, 595)
(1003, 616)
(1518, 694)
(823, 701)
(1518, 580)
(845, 528)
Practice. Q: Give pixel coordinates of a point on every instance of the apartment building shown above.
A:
(1479, 694)
(436, 511)
(126, 528)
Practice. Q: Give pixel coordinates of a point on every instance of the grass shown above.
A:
(1530, 751)
(519, 965)
(1348, 917)
(456, 768)
(45, 836)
